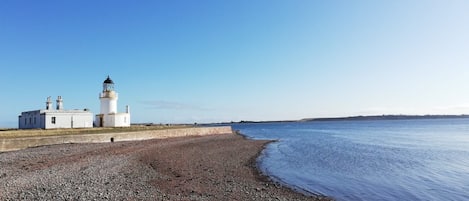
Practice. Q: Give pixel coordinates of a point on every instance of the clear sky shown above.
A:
(210, 61)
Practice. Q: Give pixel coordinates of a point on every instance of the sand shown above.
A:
(215, 167)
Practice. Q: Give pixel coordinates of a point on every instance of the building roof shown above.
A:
(108, 80)
(58, 112)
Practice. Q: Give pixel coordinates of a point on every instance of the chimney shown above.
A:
(48, 103)
(59, 103)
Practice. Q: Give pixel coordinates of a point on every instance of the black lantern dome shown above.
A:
(108, 80)
(108, 84)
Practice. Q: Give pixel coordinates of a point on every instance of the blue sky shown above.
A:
(211, 61)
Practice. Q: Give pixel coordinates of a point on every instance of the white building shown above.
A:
(109, 117)
(55, 118)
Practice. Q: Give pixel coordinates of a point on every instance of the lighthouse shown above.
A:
(109, 117)
(108, 97)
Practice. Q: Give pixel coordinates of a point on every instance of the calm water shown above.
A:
(369, 160)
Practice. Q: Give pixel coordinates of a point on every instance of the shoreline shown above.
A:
(214, 167)
(265, 177)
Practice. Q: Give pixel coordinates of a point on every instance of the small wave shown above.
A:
(414, 160)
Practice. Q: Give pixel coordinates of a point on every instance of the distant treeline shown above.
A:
(388, 117)
(353, 118)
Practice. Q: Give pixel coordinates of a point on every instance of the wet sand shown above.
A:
(215, 167)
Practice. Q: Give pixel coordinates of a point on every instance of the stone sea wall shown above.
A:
(11, 144)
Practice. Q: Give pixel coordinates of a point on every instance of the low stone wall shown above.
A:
(11, 144)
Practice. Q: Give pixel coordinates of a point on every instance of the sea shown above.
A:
(424, 159)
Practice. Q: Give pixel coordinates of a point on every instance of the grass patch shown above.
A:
(17, 133)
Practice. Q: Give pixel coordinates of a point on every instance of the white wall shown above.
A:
(83, 121)
(122, 120)
(108, 102)
(63, 119)
(108, 106)
(68, 120)
(114, 120)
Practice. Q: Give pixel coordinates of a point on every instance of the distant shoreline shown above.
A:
(362, 118)
(388, 117)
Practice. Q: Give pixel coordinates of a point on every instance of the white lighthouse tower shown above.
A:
(109, 117)
(108, 97)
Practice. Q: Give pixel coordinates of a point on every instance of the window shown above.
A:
(25, 121)
(53, 120)
(34, 120)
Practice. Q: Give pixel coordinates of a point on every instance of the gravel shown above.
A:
(216, 167)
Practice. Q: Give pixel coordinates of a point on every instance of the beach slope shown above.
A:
(215, 167)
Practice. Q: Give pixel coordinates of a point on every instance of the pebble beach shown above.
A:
(215, 167)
